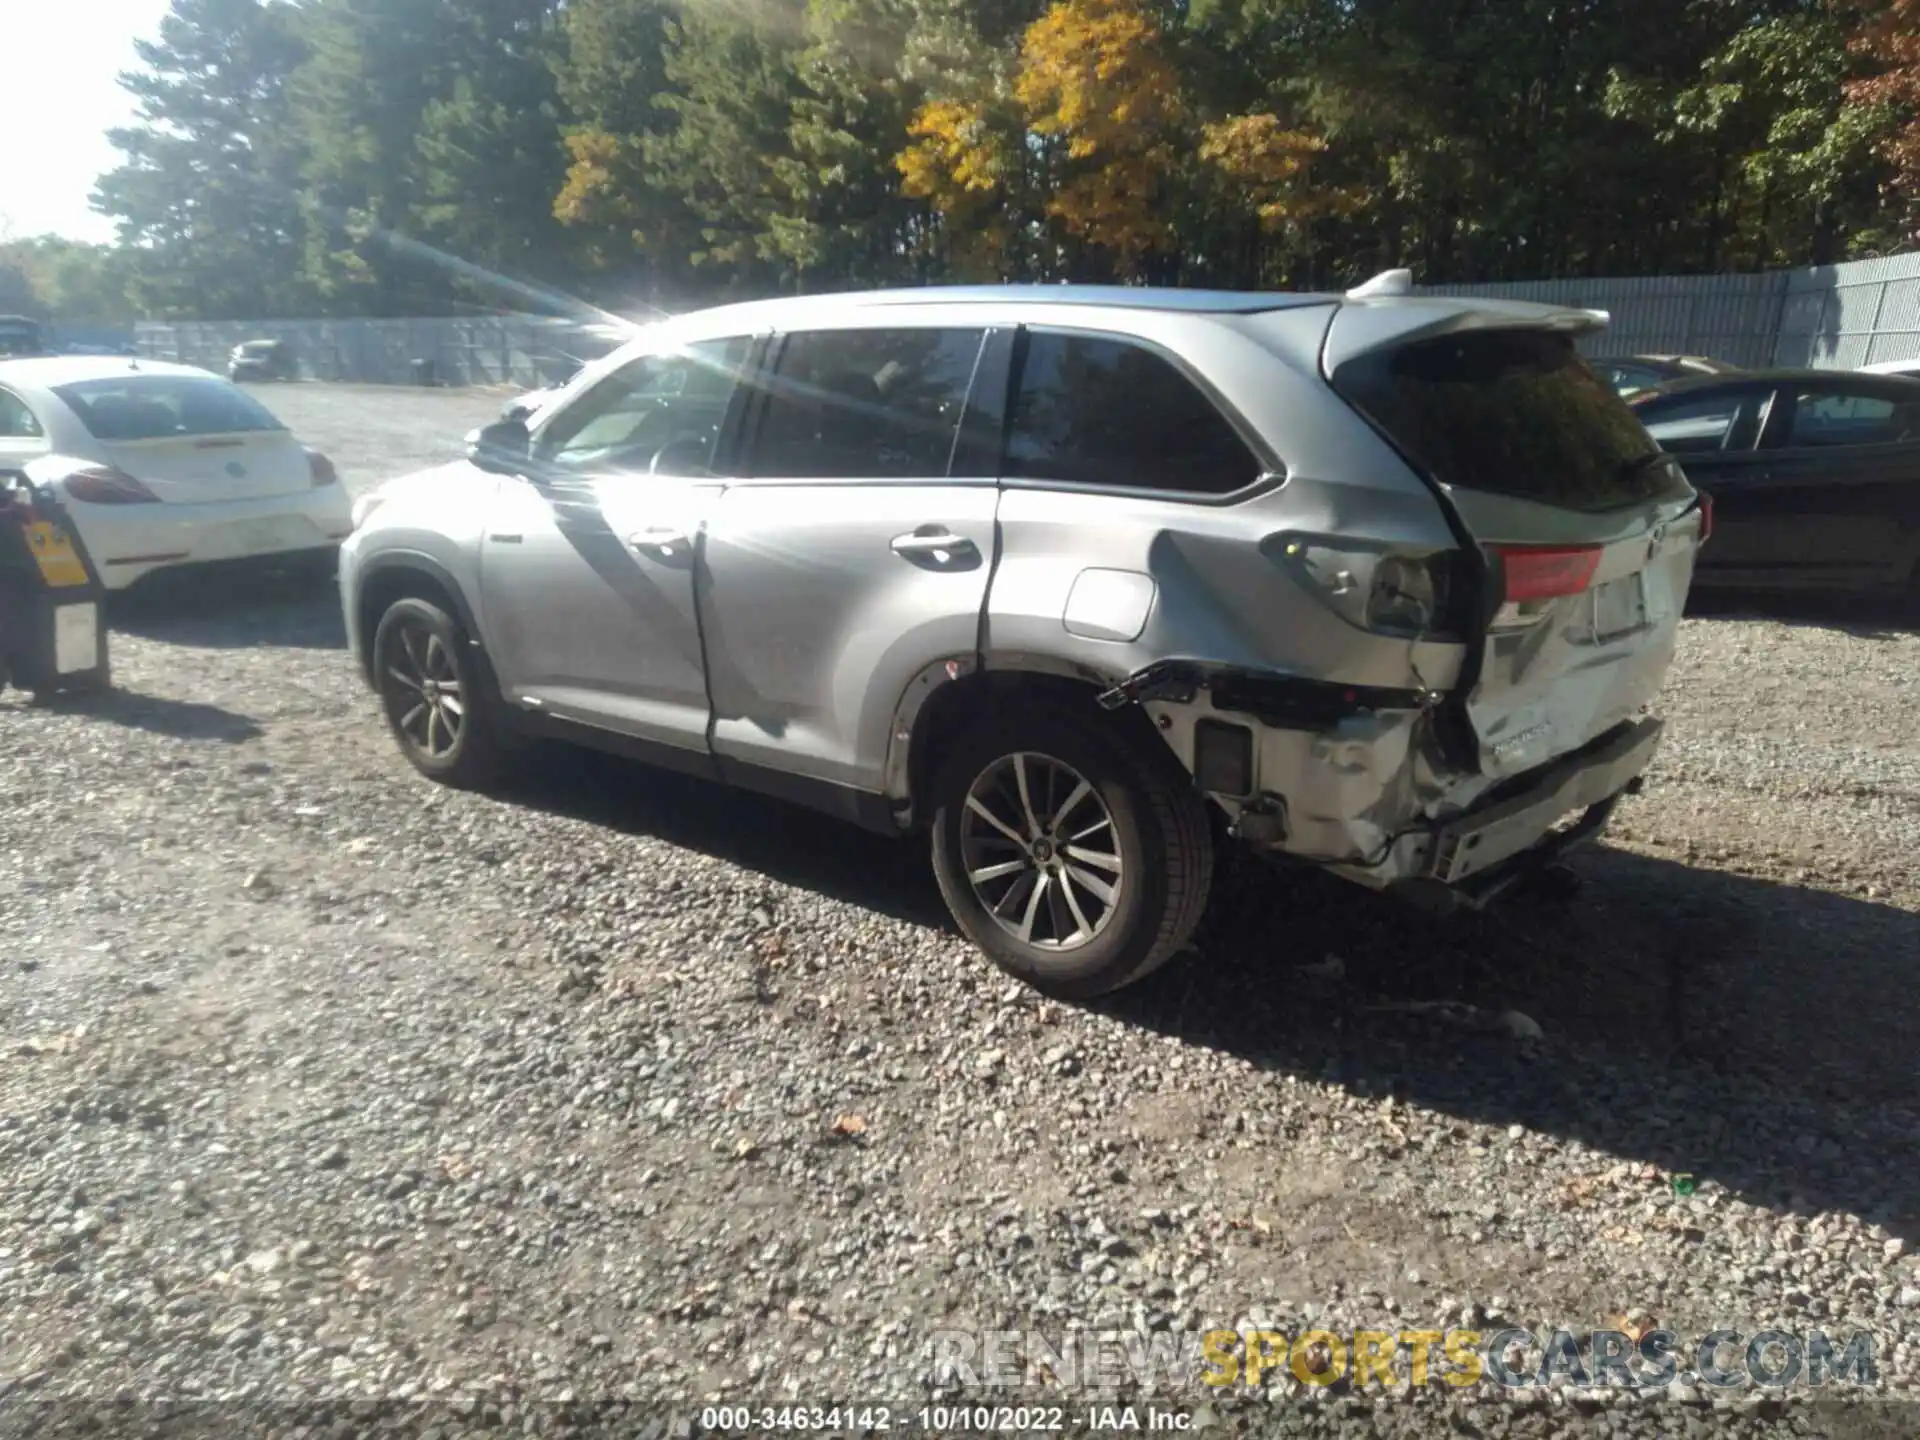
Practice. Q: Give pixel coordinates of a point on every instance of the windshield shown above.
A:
(156, 407)
(1513, 412)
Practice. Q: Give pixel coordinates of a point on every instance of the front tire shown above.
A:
(1077, 856)
(438, 700)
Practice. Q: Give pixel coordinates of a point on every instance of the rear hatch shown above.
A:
(1580, 530)
(190, 439)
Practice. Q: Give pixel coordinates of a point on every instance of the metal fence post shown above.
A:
(1873, 330)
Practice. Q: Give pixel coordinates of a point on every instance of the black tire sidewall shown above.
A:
(1118, 952)
(471, 758)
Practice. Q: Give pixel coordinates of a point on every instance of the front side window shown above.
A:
(865, 404)
(16, 420)
(1093, 411)
(1696, 425)
(658, 414)
(162, 407)
(1629, 379)
(1823, 418)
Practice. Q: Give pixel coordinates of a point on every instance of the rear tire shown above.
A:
(437, 695)
(1111, 835)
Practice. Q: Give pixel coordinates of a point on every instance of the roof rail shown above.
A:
(1387, 282)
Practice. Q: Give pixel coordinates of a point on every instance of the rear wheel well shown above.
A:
(950, 710)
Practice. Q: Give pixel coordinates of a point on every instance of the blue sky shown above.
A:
(59, 99)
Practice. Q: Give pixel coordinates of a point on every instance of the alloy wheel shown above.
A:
(1041, 852)
(425, 692)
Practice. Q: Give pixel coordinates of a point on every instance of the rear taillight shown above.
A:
(1545, 572)
(1706, 517)
(103, 485)
(321, 468)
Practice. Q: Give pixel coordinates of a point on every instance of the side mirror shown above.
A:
(500, 448)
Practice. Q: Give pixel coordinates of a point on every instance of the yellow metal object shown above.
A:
(59, 566)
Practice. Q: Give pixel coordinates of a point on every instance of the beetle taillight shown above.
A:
(104, 485)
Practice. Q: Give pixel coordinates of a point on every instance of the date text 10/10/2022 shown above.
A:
(944, 1419)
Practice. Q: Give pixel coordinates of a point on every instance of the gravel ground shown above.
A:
(321, 1083)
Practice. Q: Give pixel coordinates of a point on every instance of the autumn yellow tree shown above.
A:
(1084, 135)
(1095, 80)
(1265, 162)
(1887, 40)
(963, 165)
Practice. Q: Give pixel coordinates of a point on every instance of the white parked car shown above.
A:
(162, 465)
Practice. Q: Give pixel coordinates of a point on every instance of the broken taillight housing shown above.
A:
(104, 485)
(1387, 592)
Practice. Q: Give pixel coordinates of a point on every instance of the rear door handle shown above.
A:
(932, 540)
(661, 540)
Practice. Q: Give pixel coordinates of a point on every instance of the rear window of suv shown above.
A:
(1512, 412)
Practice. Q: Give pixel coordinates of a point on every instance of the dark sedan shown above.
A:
(1631, 374)
(263, 360)
(1814, 475)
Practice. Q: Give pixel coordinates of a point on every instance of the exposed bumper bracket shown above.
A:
(1489, 885)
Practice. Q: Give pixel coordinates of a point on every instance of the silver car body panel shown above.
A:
(793, 634)
(817, 626)
(587, 598)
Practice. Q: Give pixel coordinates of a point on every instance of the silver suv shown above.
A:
(1083, 581)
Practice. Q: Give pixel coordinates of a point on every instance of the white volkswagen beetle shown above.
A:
(161, 465)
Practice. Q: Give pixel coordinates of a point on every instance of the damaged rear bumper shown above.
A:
(1469, 858)
(1353, 778)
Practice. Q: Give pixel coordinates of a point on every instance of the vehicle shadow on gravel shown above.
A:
(1742, 1031)
(157, 715)
(782, 841)
(1746, 1032)
(232, 610)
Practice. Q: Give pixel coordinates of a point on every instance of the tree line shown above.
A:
(386, 157)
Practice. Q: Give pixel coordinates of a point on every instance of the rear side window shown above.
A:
(16, 420)
(865, 404)
(158, 407)
(1822, 418)
(1511, 412)
(1092, 411)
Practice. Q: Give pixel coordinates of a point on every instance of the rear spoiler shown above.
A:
(1384, 314)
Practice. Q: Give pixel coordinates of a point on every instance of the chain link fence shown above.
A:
(1827, 316)
(1832, 316)
(519, 351)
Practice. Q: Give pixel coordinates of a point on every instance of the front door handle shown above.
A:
(661, 540)
(934, 541)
